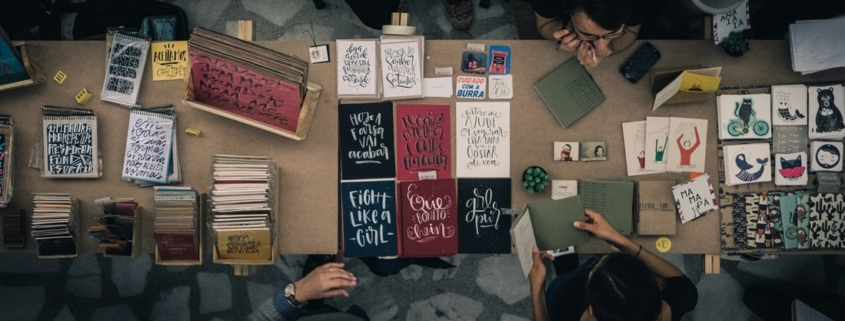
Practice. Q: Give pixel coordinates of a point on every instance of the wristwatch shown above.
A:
(290, 294)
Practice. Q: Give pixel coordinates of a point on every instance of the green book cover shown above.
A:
(613, 199)
(552, 222)
(569, 92)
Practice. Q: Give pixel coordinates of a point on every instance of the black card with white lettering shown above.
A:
(365, 136)
(368, 213)
(483, 226)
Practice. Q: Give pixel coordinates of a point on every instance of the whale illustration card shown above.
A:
(744, 116)
(825, 111)
(827, 156)
(791, 169)
(747, 163)
(687, 145)
(789, 105)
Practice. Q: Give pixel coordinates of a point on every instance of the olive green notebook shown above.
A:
(569, 92)
(614, 199)
(552, 222)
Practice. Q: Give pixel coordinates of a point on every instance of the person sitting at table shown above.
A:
(632, 285)
(594, 29)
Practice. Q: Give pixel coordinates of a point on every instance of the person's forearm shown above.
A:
(538, 300)
(657, 264)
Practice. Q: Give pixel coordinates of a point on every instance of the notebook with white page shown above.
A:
(70, 147)
(149, 141)
(817, 45)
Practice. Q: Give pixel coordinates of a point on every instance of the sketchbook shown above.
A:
(125, 70)
(69, 143)
(149, 146)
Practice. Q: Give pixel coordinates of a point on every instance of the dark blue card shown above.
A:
(483, 226)
(365, 136)
(368, 213)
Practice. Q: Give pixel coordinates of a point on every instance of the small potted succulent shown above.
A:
(535, 179)
(735, 44)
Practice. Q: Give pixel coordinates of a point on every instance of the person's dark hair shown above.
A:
(608, 14)
(596, 150)
(623, 288)
(471, 58)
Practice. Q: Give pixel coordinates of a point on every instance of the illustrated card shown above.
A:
(566, 151)
(747, 163)
(634, 134)
(791, 169)
(825, 108)
(694, 198)
(592, 151)
(657, 139)
(474, 62)
(745, 116)
(789, 105)
(827, 156)
(687, 145)
(471, 87)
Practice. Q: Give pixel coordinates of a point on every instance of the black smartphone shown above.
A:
(640, 62)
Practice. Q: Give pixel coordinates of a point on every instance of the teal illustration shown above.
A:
(747, 118)
(659, 151)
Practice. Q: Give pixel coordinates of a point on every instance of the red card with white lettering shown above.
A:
(428, 218)
(423, 142)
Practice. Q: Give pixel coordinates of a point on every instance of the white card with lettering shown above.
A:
(401, 69)
(501, 87)
(484, 139)
(148, 147)
(471, 87)
(356, 67)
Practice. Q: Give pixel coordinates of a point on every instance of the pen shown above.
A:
(559, 40)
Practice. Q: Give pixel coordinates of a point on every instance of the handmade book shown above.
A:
(428, 216)
(169, 60)
(789, 105)
(747, 163)
(827, 156)
(569, 92)
(791, 169)
(826, 221)
(802, 214)
(357, 69)
(69, 142)
(522, 234)
(672, 86)
(149, 145)
(657, 140)
(484, 137)
(366, 141)
(634, 135)
(687, 145)
(127, 58)
(483, 224)
(744, 116)
(694, 198)
(552, 222)
(368, 215)
(789, 220)
(423, 142)
(7, 134)
(825, 108)
(775, 219)
(656, 215)
(613, 199)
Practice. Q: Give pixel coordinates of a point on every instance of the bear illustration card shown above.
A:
(633, 134)
(744, 116)
(789, 105)
(825, 111)
(687, 145)
(657, 139)
(747, 163)
(827, 156)
(791, 169)
(566, 151)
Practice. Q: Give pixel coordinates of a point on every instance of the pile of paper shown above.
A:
(53, 221)
(176, 223)
(817, 45)
(117, 224)
(151, 156)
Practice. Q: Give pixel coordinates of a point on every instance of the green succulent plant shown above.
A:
(736, 42)
(535, 179)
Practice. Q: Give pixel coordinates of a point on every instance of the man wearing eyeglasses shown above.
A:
(594, 29)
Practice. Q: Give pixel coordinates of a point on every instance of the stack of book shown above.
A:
(53, 224)
(7, 129)
(117, 225)
(151, 156)
(242, 206)
(13, 224)
(176, 223)
(256, 85)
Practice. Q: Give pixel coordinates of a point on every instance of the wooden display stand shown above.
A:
(78, 230)
(200, 238)
(32, 63)
(136, 238)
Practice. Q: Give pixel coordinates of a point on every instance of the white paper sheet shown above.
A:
(437, 87)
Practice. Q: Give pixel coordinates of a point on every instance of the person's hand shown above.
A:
(587, 55)
(325, 281)
(597, 225)
(567, 39)
(537, 275)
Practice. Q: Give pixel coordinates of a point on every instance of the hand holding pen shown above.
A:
(566, 39)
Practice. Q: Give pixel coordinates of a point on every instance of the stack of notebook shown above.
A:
(7, 130)
(151, 156)
(125, 69)
(69, 142)
(117, 225)
(242, 206)
(176, 223)
(242, 78)
(13, 225)
(53, 224)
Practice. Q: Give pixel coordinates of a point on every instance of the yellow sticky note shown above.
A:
(251, 244)
(694, 82)
(169, 59)
(60, 77)
(193, 131)
(83, 96)
(663, 244)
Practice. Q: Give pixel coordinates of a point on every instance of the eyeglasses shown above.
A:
(590, 38)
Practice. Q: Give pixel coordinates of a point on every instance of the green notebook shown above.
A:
(552, 222)
(613, 199)
(569, 92)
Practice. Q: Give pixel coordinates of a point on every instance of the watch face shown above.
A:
(289, 290)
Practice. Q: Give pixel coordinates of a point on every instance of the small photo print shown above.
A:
(593, 151)
(474, 63)
(566, 151)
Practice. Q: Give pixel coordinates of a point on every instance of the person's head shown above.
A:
(567, 148)
(472, 63)
(599, 19)
(827, 156)
(687, 143)
(623, 288)
(599, 151)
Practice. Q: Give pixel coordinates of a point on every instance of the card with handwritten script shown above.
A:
(148, 147)
(694, 198)
(789, 139)
(401, 68)
(169, 60)
(501, 87)
(357, 63)
(368, 215)
(423, 141)
(687, 145)
(657, 140)
(70, 143)
(246, 244)
(428, 216)
(366, 141)
(483, 226)
(483, 140)
(125, 70)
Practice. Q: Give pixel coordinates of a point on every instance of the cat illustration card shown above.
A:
(791, 169)
(789, 105)
(687, 145)
(825, 109)
(827, 156)
(747, 163)
(657, 139)
(633, 134)
(745, 116)
(566, 151)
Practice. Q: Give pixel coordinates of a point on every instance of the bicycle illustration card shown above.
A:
(745, 116)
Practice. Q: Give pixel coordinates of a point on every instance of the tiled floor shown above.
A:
(482, 287)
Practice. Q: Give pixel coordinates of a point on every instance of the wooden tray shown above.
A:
(32, 62)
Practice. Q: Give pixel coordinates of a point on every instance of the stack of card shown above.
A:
(747, 163)
(668, 144)
(242, 206)
(117, 224)
(151, 156)
(694, 198)
(826, 107)
(125, 69)
(7, 129)
(176, 224)
(70, 143)
(744, 116)
(53, 224)
(13, 224)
